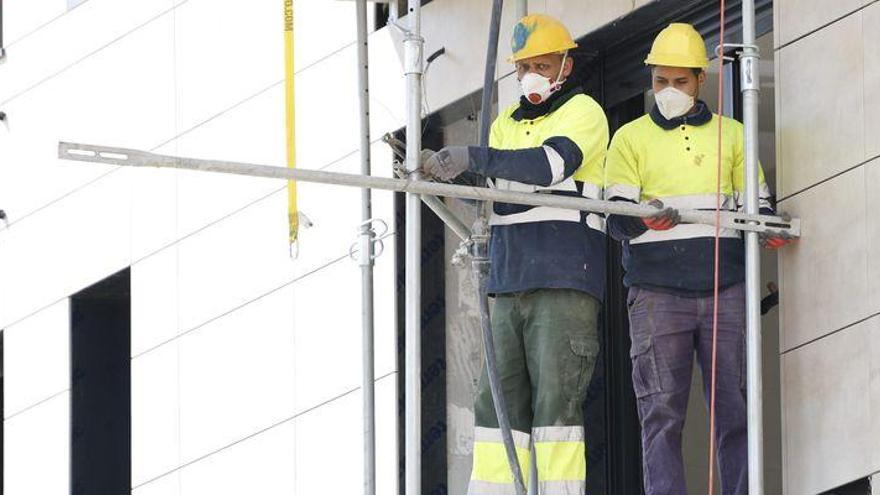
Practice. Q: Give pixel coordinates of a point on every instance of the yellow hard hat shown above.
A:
(679, 45)
(539, 34)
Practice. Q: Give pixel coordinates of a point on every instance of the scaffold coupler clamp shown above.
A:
(370, 242)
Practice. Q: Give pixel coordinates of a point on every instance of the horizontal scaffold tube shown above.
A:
(135, 158)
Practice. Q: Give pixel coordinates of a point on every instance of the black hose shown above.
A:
(489, 75)
(481, 260)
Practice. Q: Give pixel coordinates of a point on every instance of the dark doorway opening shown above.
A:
(101, 387)
(859, 487)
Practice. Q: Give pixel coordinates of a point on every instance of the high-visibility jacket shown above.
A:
(558, 148)
(561, 152)
(676, 161)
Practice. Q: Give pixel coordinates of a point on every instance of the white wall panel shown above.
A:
(237, 375)
(328, 333)
(584, 17)
(36, 358)
(154, 209)
(460, 70)
(824, 276)
(36, 450)
(385, 310)
(827, 409)
(234, 261)
(154, 300)
(872, 178)
(64, 248)
(71, 38)
(262, 464)
(799, 17)
(327, 109)
(114, 97)
(166, 485)
(225, 52)
(330, 298)
(335, 214)
(206, 197)
(387, 83)
(247, 254)
(320, 28)
(870, 21)
(22, 17)
(327, 441)
(821, 137)
(387, 465)
(330, 438)
(155, 413)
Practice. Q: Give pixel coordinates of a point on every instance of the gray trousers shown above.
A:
(667, 330)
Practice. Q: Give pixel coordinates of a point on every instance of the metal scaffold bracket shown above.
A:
(135, 158)
(749, 56)
(369, 236)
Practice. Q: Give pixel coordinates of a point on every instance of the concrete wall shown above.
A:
(828, 145)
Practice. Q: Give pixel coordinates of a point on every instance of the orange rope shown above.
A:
(717, 255)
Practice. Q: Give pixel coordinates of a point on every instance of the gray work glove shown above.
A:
(447, 164)
(664, 219)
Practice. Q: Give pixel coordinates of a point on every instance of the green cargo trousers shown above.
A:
(546, 343)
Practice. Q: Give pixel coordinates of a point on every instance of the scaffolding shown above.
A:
(417, 191)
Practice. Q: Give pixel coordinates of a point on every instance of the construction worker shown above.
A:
(668, 159)
(547, 264)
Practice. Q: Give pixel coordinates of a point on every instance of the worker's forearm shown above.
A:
(544, 165)
(623, 228)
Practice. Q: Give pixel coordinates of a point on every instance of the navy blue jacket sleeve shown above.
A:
(529, 165)
(624, 228)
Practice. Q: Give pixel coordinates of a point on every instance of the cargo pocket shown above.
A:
(645, 375)
(579, 368)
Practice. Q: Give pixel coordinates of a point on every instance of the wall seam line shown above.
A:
(92, 53)
(826, 25)
(37, 404)
(260, 432)
(857, 166)
(829, 334)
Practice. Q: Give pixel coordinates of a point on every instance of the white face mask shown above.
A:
(537, 88)
(673, 103)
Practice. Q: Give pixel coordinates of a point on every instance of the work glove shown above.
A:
(772, 239)
(447, 164)
(664, 219)
(775, 239)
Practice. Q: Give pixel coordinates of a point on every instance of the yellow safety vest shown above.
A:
(580, 119)
(679, 167)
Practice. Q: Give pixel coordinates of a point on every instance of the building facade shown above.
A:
(238, 357)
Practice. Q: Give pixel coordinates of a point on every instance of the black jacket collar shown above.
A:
(702, 116)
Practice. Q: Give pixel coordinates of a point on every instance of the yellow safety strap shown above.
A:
(290, 106)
